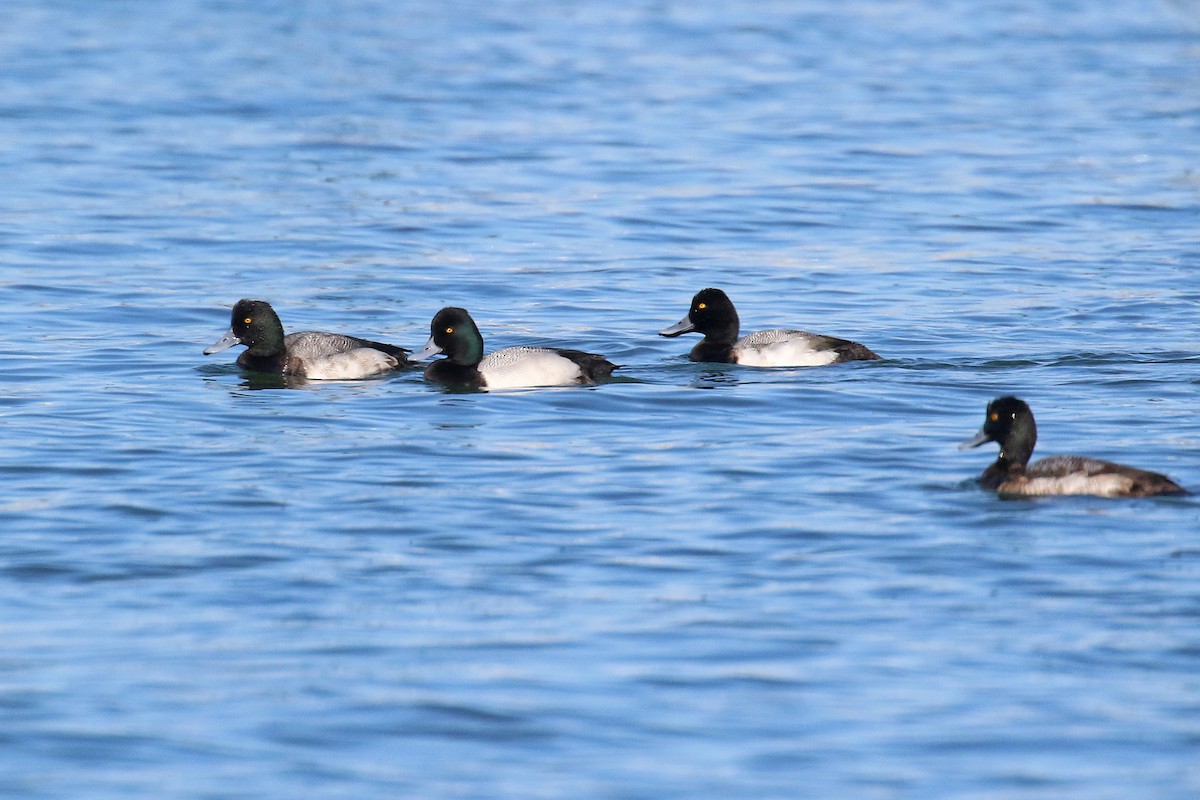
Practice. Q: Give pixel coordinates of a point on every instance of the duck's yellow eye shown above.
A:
(995, 417)
(702, 306)
(248, 320)
(449, 330)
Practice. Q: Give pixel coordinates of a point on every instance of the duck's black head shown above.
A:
(454, 334)
(1009, 422)
(255, 324)
(712, 314)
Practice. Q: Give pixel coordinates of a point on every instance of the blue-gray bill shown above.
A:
(224, 343)
(684, 325)
(428, 351)
(979, 438)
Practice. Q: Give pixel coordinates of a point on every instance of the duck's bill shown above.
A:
(224, 343)
(428, 351)
(976, 440)
(683, 326)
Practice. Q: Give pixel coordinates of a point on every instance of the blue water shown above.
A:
(695, 581)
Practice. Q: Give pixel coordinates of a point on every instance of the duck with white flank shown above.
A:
(306, 354)
(712, 314)
(454, 334)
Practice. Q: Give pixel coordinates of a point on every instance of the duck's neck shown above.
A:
(1000, 471)
(708, 350)
(451, 373)
(1018, 445)
(276, 363)
(726, 333)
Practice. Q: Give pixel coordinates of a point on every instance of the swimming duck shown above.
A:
(455, 334)
(713, 314)
(308, 354)
(1009, 422)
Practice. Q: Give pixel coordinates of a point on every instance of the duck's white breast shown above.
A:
(782, 348)
(524, 367)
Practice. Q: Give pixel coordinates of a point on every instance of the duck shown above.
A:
(712, 314)
(1009, 422)
(453, 333)
(307, 354)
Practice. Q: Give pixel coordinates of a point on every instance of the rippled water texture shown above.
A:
(694, 581)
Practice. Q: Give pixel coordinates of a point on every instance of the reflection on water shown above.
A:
(710, 378)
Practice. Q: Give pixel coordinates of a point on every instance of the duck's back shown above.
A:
(1059, 475)
(318, 344)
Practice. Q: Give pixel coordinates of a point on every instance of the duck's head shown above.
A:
(454, 334)
(255, 324)
(712, 314)
(1009, 423)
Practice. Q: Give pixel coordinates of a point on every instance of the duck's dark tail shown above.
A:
(592, 368)
(853, 351)
(400, 353)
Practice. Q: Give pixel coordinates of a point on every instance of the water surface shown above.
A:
(696, 581)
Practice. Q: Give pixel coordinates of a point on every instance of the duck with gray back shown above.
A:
(307, 354)
(712, 314)
(1009, 422)
(455, 335)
